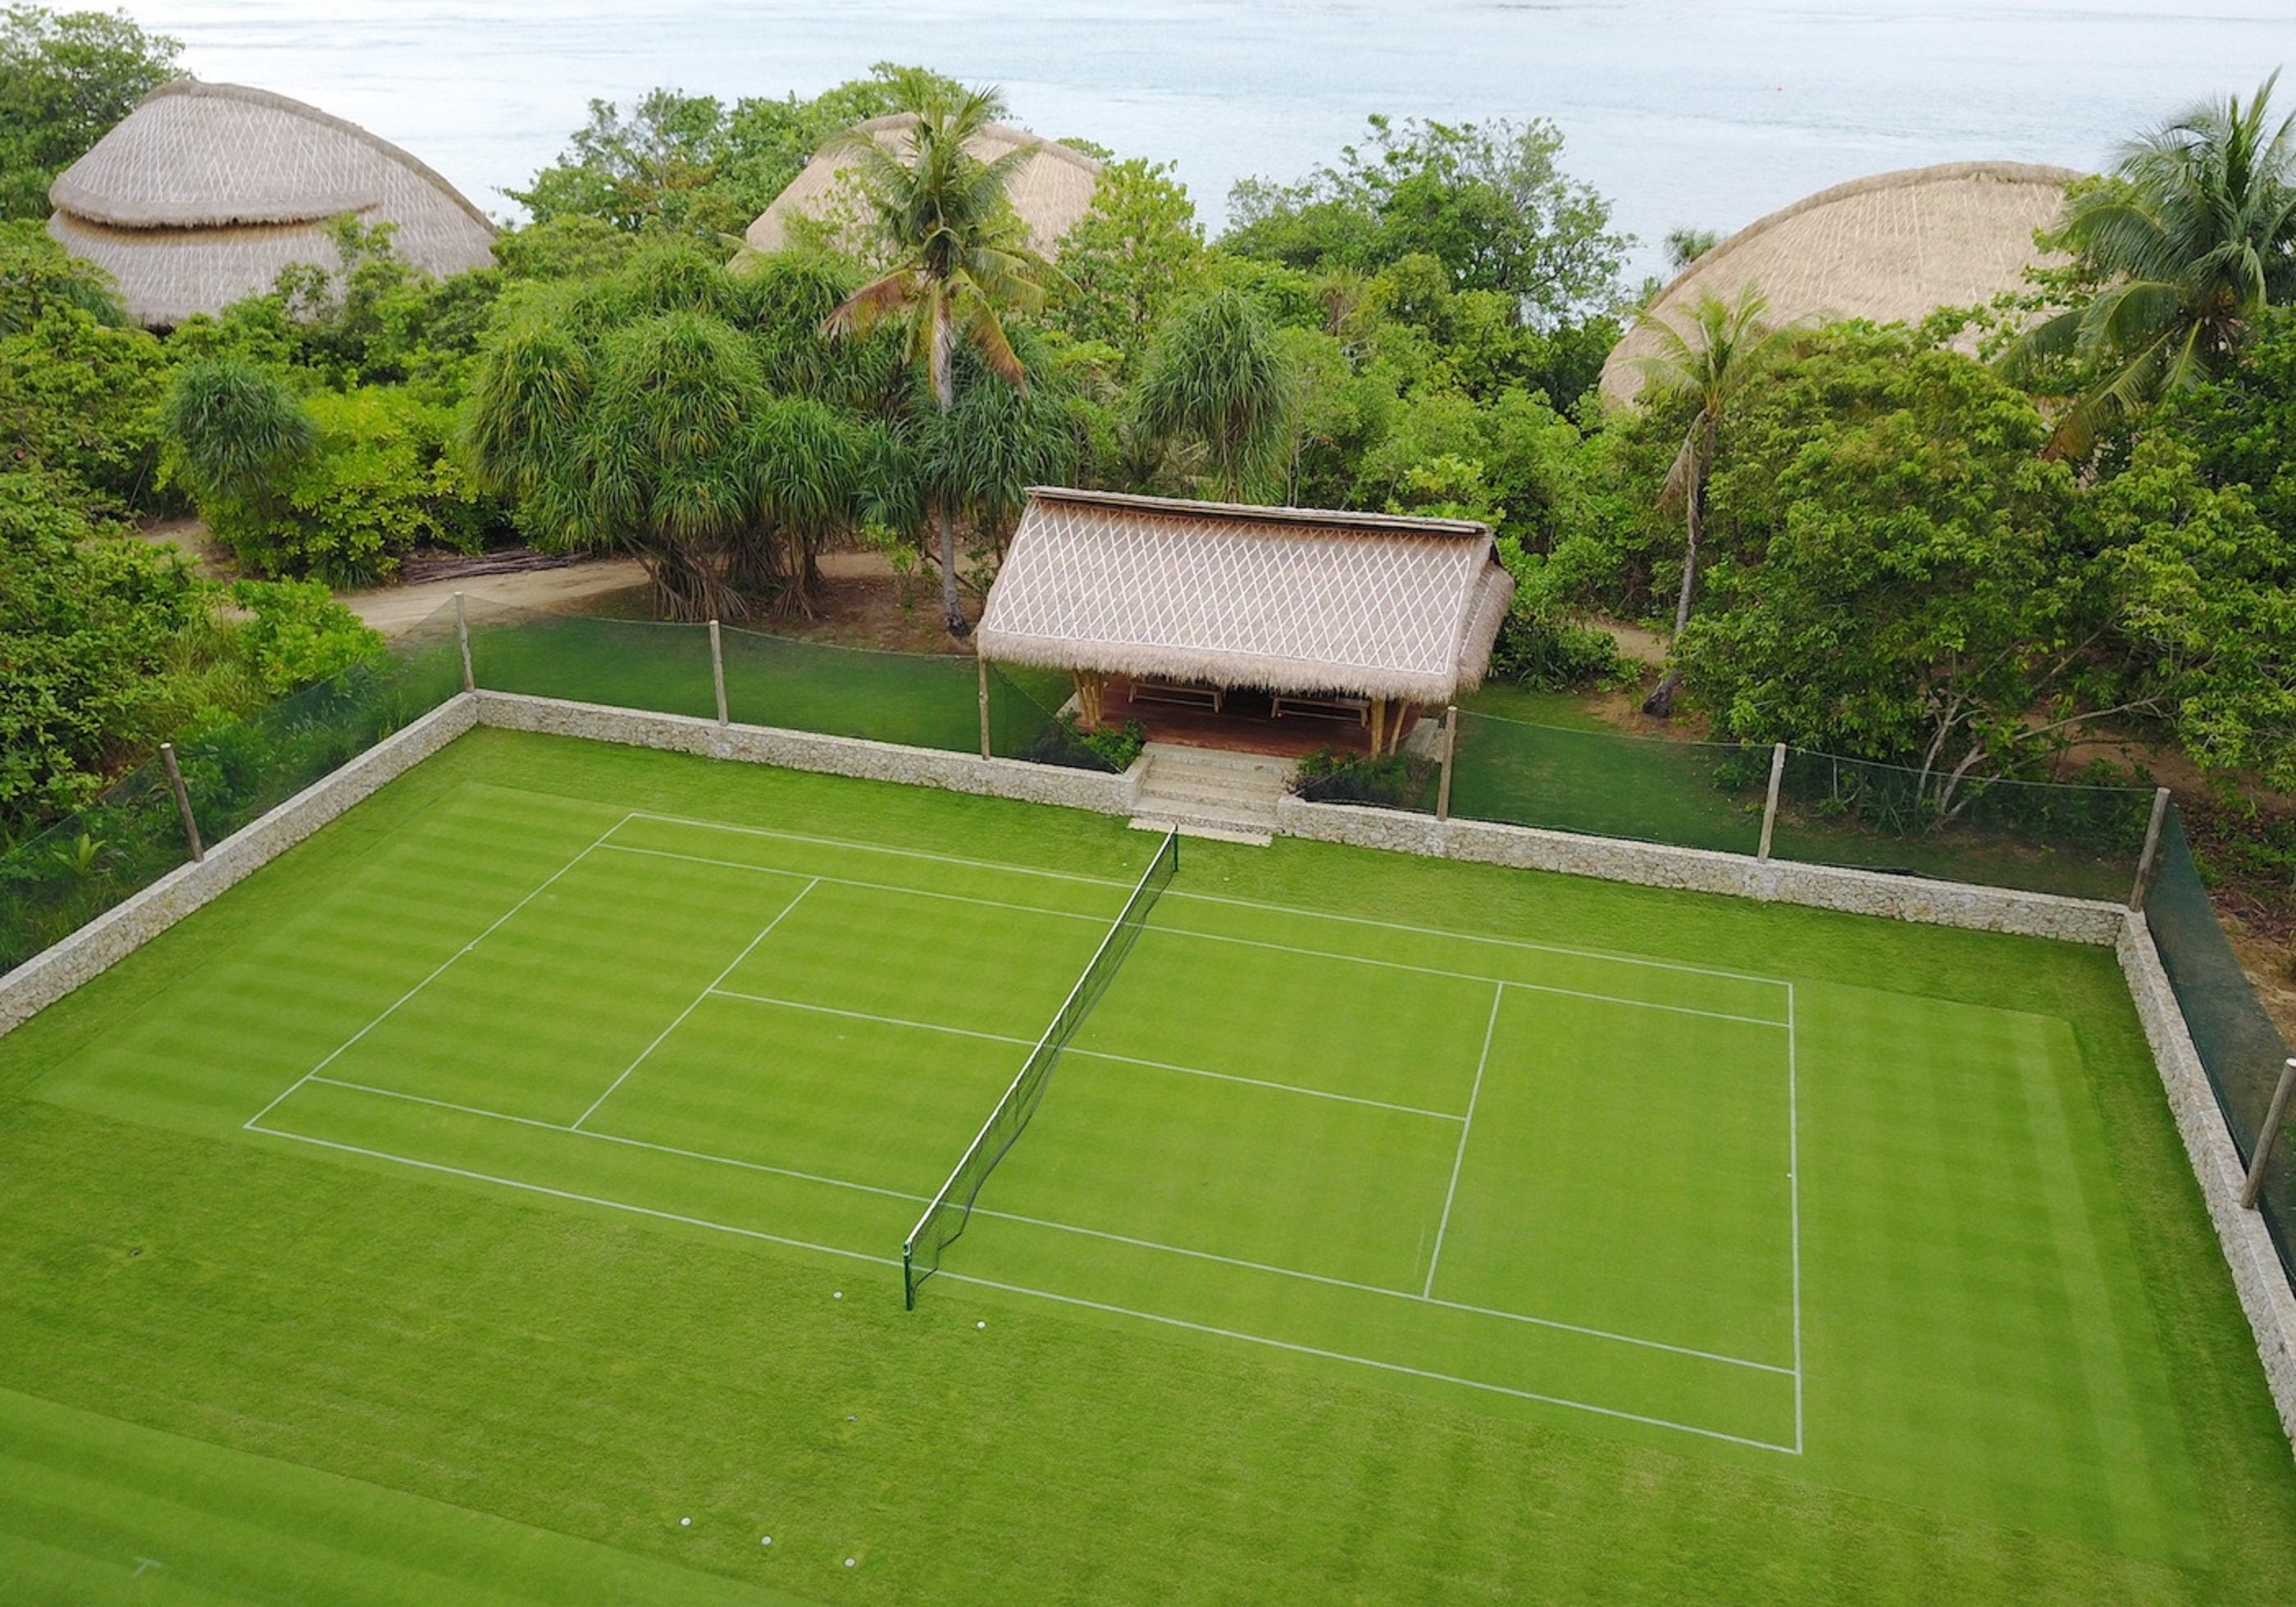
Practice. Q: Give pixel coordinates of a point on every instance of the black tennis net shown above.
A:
(951, 1209)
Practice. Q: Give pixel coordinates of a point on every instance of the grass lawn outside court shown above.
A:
(522, 1165)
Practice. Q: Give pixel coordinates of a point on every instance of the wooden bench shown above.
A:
(1357, 709)
(1188, 694)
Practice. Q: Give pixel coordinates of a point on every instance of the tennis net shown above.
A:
(951, 1209)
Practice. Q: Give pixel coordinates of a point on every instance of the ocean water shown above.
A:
(1702, 112)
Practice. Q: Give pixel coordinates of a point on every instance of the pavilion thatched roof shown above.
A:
(203, 192)
(1053, 190)
(1894, 247)
(1303, 600)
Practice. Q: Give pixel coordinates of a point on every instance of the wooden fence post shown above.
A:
(1770, 803)
(983, 663)
(183, 800)
(462, 639)
(2144, 882)
(1450, 747)
(717, 670)
(2276, 1119)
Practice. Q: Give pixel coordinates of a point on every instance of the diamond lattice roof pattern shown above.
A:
(1293, 599)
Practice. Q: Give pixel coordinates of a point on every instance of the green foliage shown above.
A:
(77, 387)
(1886, 577)
(1541, 645)
(103, 648)
(1216, 391)
(1129, 260)
(690, 165)
(1394, 781)
(1115, 746)
(2176, 254)
(346, 484)
(65, 79)
(1491, 203)
(295, 632)
(374, 318)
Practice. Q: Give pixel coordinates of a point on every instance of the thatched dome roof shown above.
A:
(1305, 600)
(203, 192)
(1894, 247)
(1053, 190)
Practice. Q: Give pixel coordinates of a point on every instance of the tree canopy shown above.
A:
(65, 79)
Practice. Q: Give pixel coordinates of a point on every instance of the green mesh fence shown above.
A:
(916, 700)
(1698, 795)
(626, 663)
(2239, 1046)
(2081, 841)
(1024, 720)
(55, 882)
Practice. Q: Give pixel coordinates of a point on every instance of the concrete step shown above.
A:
(1215, 830)
(1210, 791)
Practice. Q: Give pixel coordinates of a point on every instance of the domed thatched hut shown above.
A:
(1052, 192)
(1894, 247)
(204, 191)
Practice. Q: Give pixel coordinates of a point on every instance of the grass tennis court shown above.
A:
(536, 1144)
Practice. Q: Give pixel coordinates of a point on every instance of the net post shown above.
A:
(908, 1275)
(1450, 747)
(1770, 803)
(2274, 1120)
(717, 670)
(983, 665)
(462, 641)
(2137, 889)
(183, 800)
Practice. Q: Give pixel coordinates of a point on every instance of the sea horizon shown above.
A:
(1698, 113)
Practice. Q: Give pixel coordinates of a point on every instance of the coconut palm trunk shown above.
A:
(1660, 701)
(944, 386)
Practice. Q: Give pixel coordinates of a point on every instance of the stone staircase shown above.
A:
(1206, 793)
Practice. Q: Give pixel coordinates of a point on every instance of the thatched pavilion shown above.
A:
(1053, 190)
(204, 191)
(1894, 247)
(1359, 619)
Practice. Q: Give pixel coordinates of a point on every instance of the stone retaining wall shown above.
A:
(55, 971)
(1705, 871)
(853, 756)
(2248, 1248)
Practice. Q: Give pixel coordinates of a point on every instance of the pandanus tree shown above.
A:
(959, 258)
(233, 432)
(2190, 238)
(636, 414)
(1215, 388)
(1704, 369)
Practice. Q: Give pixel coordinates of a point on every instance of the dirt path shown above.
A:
(574, 589)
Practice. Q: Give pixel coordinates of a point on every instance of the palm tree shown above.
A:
(2193, 236)
(1729, 343)
(234, 432)
(959, 254)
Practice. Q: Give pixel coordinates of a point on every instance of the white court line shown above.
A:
(1794, 1188)
(958, 1278)
(1065, 1227)
(1128, 1060)
(437, 971)
(659, 1036)
(1365, 1361)
(1283, 909)
(1186, 931)
(888, 886)
(1465, 976)
(1490, 1029)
